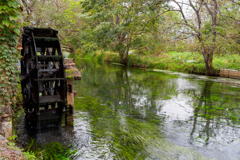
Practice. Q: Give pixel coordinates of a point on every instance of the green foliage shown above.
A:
(147, 27)
(55, 151)
(69, 73)
(10, 17)
(33, 149)
(51, 151)
(61, 15)
(119, 24)
(188, 62)
(29, 155)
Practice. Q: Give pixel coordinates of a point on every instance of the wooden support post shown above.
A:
(72, 73)
(70, 102)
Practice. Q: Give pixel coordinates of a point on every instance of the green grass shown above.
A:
(188, 62)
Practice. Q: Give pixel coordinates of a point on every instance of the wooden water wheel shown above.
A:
(44, 87)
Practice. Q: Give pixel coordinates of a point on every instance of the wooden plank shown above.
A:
(221, 73)
(49, 58)
(230, 73)
(48, 70)
(46, 39)
(50, 99)
(234, 74)
(226, 73)
(44, 89)
(49, 79)
(43, 65)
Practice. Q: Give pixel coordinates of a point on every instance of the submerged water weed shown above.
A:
(33, 149)
(109, 103)
(51, 151)
(129, 138)
(55, 151)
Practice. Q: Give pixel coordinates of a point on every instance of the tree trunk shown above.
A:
(70, 48)
(124, 56)
(208, 63)
(124, 61)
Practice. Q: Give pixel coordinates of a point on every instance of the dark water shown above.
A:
(124, 113)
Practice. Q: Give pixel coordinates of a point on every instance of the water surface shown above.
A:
(125, 113)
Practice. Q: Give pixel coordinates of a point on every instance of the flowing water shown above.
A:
(125, 113)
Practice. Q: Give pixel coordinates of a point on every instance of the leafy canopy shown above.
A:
(116, 23)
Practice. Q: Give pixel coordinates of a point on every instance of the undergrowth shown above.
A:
(188, 62)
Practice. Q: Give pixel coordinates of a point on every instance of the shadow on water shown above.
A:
(45, 139)
(124, 113)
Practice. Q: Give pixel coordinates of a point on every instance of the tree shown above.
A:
(57, 14)
(117, 23)
(158, 38)
(194, 27)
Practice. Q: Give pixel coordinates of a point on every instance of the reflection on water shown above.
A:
(122, 113)
(191, 112)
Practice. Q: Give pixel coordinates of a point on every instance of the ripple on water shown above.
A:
(195, 116)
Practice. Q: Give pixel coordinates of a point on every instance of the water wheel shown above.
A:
(44, 86)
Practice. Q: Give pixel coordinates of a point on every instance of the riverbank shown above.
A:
(8, 149)
(187, 62)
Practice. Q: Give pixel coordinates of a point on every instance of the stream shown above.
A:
(127, 113)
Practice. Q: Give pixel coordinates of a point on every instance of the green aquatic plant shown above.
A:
(49, 151)
(33, 149)
(126, 137)
(154, 121)
(109, 103)
(55, 151)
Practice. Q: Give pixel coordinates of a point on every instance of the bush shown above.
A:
(188, 62)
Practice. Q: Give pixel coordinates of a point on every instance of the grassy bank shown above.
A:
(188, 62)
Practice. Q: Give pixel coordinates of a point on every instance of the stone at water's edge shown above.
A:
(5, 114)
(71, 69)
(9, 152)
(3, 140)
(6, 126)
